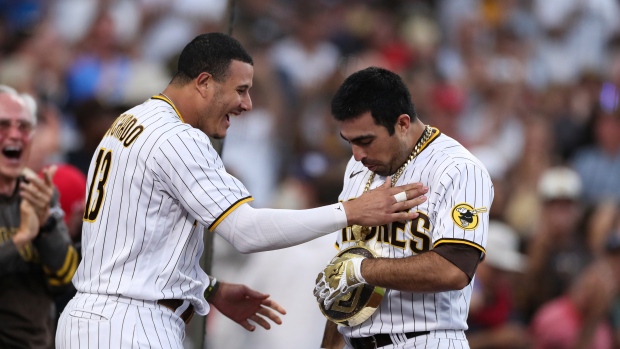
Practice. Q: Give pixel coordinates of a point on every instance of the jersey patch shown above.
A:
(466, 216)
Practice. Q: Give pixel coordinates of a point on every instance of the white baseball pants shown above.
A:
(106, 322)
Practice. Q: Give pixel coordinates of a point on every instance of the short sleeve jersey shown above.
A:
(459, 197)
(154, 183)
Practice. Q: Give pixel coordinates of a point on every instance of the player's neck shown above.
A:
(415, 134)
(175, 95)
(416, 131)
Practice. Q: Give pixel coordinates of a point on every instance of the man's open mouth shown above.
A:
(12, 151)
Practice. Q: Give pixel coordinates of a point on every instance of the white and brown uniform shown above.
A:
(456, 212)
(153, 185)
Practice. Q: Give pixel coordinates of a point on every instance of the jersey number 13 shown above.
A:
(100, 177)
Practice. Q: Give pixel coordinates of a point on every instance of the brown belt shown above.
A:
(174, 304)
(380, 340)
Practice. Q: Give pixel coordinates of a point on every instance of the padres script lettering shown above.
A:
(389, 234)
(125, 129)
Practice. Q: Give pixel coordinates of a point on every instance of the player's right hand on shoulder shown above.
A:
(379, 206)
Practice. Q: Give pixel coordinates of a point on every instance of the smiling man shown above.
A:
(155, 183)
(424, 267)
(36, 256)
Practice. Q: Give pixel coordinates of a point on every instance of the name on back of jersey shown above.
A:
(126, 129)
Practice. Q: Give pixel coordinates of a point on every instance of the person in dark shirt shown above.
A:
(36, 255)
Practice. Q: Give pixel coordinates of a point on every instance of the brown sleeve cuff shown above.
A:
(463, 256)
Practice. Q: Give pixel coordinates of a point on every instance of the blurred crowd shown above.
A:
(531, 87)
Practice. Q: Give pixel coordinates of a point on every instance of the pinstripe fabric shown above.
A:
(147, 205)
(98, 321)
(453, 176)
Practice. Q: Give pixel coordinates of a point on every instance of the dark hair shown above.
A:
(212, 53)
(377, 90)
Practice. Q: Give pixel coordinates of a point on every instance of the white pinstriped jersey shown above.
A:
(459, 196)
(153, 185)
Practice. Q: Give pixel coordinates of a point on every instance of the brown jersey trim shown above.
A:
(461, 241)
(436, 133)
(162, 98)
(464, 257)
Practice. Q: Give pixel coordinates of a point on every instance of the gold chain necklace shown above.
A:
(360, 232)
(416, 149)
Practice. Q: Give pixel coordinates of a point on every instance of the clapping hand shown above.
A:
(38, 192)
(28, 227)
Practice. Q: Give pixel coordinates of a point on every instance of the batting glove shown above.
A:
(341, 276)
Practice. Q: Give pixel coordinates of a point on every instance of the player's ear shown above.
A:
(403, 122)
(203, 82)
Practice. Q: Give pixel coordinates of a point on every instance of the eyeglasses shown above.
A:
(24, 127)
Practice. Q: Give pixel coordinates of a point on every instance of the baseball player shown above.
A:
(426, 264)
(155, 183)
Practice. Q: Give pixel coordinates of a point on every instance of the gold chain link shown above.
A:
(360, 232)
(416, 150)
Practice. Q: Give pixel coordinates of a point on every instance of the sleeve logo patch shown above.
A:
(466, 216)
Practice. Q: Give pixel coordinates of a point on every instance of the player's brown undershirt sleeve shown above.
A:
(465, 257)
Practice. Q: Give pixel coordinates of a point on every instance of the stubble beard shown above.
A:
(204, 120)
(397, 162)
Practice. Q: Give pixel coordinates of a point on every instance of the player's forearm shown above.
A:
(332, 339)
(427, 273)
(254, 230)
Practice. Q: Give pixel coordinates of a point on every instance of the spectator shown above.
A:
(36, 256)
(557, 252)
(523, 205)
(599, 165)
(493, 320)
(69, 181)
(578, 319)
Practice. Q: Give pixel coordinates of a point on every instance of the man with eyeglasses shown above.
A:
(36, 255)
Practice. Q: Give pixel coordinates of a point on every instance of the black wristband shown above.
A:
(211, 290)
